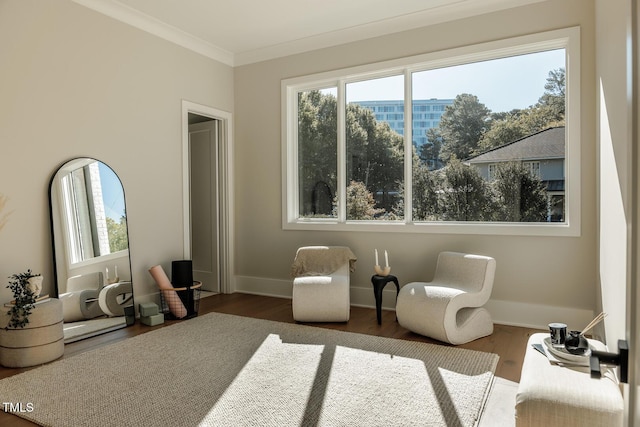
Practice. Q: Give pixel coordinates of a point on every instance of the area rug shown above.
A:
(226, 370)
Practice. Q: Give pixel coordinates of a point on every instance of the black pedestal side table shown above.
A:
(379, 282)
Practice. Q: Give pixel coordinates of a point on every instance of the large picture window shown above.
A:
(482, 139)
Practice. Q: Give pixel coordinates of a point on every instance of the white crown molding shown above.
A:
(144, 22)
(455, 10)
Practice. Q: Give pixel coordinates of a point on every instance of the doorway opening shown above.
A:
(206, 144)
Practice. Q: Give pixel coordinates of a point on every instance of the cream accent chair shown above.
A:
(449, 308)
(321, 283)
(80, 302)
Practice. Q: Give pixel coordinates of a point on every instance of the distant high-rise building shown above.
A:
(426, 115)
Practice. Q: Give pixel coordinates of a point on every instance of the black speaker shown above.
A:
(182, 277)
(182, 273)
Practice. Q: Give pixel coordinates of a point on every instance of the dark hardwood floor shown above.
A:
(508, 342)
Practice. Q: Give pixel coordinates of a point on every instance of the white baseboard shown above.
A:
(537, 315)
(152, 297)
(261, 286)
(503, 312)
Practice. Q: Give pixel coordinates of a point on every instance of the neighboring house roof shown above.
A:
(546, 144)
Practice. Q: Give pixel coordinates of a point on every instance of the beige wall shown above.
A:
(76, 83)
(538, 279)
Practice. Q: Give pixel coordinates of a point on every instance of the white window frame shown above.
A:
(567, 38)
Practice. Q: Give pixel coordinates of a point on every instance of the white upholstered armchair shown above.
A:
(449, 308)
(321, 283)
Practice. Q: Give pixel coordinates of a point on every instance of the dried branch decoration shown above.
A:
(3, 203)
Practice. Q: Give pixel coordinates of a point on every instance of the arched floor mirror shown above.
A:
(92, 264)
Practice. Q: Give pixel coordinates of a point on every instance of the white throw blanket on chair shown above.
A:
(321, 260)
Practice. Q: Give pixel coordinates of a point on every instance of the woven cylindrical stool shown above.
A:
(40, 341)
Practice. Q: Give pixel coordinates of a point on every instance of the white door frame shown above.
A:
(633, 293)
(227, 279)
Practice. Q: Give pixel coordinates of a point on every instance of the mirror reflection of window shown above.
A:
(93, 205)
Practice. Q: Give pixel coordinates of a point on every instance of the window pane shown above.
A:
(317, 153)
(375, 149)
(495, 145)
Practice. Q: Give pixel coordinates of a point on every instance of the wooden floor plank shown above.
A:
(508, 342)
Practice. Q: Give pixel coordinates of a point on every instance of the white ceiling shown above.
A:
(238, 32)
